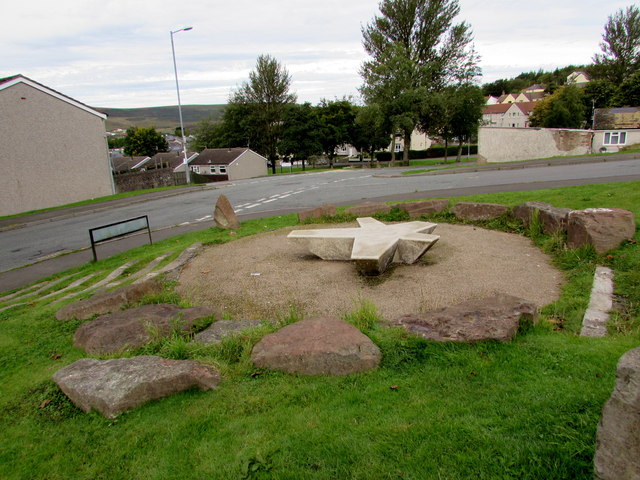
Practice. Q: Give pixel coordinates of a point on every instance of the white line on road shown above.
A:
(203, 218)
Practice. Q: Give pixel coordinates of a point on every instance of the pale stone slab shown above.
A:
(373, 246)
(594, 322)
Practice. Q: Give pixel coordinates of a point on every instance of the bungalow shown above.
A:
(578, 78)
(52, 148)
(615, 128)
(220, 164)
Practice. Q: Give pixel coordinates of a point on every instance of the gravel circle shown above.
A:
(262, 276)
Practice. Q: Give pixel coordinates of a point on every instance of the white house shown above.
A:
(615, 128)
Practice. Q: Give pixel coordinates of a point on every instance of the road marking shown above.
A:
(202, 219)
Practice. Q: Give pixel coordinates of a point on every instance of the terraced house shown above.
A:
(52, 148)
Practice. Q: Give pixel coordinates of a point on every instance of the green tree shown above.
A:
(620, 45)
(564, 109)
(467, 102)
(266, 97)
(301, 132)
(628, 94)
(370, 131)
(336, 119)
(144, 141)
(415, 50)
(208, 134)
(116, 142)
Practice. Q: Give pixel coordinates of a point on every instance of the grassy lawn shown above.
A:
(524, 410)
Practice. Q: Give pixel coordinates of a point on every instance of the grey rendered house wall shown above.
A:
(247, 165)
(51, 152)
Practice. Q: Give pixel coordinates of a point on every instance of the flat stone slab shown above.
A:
(218, 331)
(373, 246)
(317, 346)
(594, 322)
(120, 331)
(492, 318)
(618, 439)
(112, 386)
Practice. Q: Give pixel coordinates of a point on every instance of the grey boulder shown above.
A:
(112, 386)
(120, 331)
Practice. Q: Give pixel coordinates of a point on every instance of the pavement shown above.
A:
(22, 276)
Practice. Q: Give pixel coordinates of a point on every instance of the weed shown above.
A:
(365, 317)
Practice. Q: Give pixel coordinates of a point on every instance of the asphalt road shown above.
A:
(41, 238)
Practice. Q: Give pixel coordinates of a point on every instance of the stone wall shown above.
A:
(518, 144)
(164, 177)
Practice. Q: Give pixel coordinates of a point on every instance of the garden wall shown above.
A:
(517, 144)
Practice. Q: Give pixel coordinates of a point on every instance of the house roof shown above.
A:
(8, 82)
(533, 88)
(172, 159)
(495, 109)
(218, 156)
(120, 164)
(616, 118)
(526, 107)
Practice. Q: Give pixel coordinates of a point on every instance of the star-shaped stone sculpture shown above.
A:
(373, 246)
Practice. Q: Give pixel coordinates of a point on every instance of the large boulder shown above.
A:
(603, 228)
(552, 219)
(218, 331)
(368, 209)
(109, 301)
(224, 216)
(427, 207)
(317, 346)
(492, 318)
(112, 386)
(478, 211)
(618, 438)
(133, 328)
(317, 213)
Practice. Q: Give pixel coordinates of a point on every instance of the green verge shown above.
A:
(523, 410)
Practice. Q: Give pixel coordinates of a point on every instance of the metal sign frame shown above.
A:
(115, 230)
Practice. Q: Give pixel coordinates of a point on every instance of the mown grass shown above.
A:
(523, 410)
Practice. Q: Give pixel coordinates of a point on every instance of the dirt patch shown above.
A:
(260, 277)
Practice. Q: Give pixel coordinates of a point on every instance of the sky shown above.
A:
(117, 53)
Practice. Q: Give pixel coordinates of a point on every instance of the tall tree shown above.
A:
(336, 122)
(466, 111)
(620, 45)
(370, 131)
(266, 96)
(144, 141)
(301, 132)
(415, 50)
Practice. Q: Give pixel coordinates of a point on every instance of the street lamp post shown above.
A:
(184, 140)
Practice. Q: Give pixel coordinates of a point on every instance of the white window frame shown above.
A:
(223, 170)
(615, 138)
(212, 170)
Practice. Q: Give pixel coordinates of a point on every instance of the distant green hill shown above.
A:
(165, 119)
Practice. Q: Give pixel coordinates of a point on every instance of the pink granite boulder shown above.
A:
(602, 228)
(317, 346)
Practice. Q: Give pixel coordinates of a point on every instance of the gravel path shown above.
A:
(260, 277)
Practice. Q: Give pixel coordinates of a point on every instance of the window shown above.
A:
(223, 170)
(615, 138)
(212, 169)
(398, 147)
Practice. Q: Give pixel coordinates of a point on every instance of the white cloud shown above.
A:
(118, 52)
